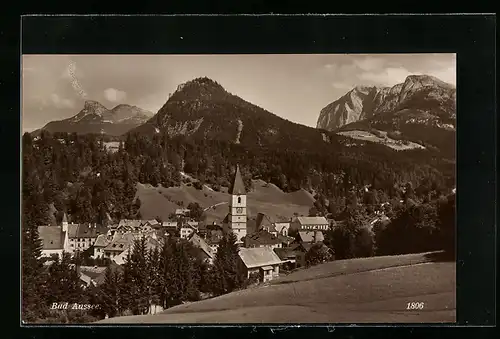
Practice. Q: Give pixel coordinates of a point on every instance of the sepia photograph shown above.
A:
(242, 188)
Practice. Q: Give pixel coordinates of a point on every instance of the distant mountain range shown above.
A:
(95, 118)
(427, 96)
(422, 110)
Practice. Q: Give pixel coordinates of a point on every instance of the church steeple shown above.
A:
(65, 223)
(237, 186)
(236, 220)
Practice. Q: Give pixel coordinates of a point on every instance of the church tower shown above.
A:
(237, 217)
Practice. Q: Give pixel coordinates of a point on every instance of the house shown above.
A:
(310, 223)
(206, 251)
(99, 276)
(213, 238)
(301, 249)
(69, 237)
(285, 240)
(288, 256)
(170, 224)
(262, 261)
(310, 237)
(262, 238)
(282, 228)
(264, 223)
(89, 274)
(150, 225)
(101, 242)
(187, 229)
(85, 280)
(83, 236)
(182, 212)
(54, 240)
(118, 244)
(121, 258)
(129, 225)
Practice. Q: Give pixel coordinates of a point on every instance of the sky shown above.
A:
(295, 87)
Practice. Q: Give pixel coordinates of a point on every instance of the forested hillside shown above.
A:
(78, 175)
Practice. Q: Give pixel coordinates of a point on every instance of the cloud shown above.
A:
(59, 102)
(343, 86)
(448, 75)
(369, 64)
(114, 95)
(387, 77)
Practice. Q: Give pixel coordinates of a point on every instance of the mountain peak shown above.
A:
(363, 102)
(202, 87)
(93, 107)
(425, 80)
(92, 103)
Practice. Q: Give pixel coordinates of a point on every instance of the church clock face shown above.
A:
(239, 210)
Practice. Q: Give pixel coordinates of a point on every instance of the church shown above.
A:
(236, 219)
(262, 261)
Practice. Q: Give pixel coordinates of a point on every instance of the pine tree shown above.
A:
(109, 293)
(64, 281)
(33, 275)
(228, 275)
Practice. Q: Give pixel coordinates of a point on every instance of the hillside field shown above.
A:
(264, 198)
(383, 139)
(367, 290)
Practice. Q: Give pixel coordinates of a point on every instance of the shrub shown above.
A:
(318, 254)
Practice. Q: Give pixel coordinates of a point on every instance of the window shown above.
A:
(239, 200)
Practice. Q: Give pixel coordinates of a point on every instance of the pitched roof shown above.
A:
(181, 211)
(101, 241)
(72, 230)
(312, 220)
(261, 237)
(311, 236)
(52, 237)
(237, 186)
(90, 230)
(120, 242)
(196, 240)
(285, 239)
(129, 246)
(170, 224)
(258, 257)
(102, 276)
(285, 253)
(279, 226)
(91, 271)
(85, 278)
(130, 222)
(263, 222)
(152, 222)
(65, 218)
(214, 237)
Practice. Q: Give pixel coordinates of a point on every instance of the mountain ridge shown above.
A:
(96, 118)
(363, 102)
